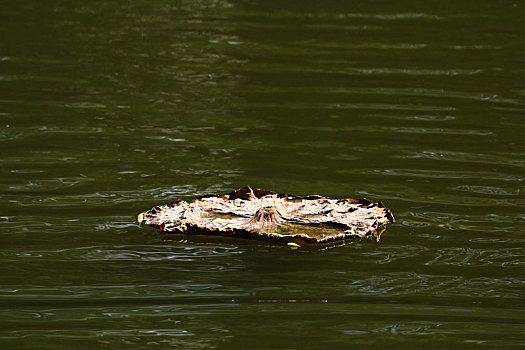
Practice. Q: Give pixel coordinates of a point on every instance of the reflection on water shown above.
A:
(107, 108)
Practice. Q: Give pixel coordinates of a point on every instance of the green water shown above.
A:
(109, 108)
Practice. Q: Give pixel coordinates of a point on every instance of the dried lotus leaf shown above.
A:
(261, 214)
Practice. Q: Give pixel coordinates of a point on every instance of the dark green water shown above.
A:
(109, 108)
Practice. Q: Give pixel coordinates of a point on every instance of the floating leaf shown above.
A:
(260, 214)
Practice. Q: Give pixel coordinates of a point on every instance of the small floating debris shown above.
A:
(259, 214)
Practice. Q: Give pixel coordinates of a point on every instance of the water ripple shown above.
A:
(468, 157)
(131, 253)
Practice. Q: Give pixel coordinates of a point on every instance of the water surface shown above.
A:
(109, 108)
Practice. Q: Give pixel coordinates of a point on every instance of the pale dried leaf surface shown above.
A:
(254, 213)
